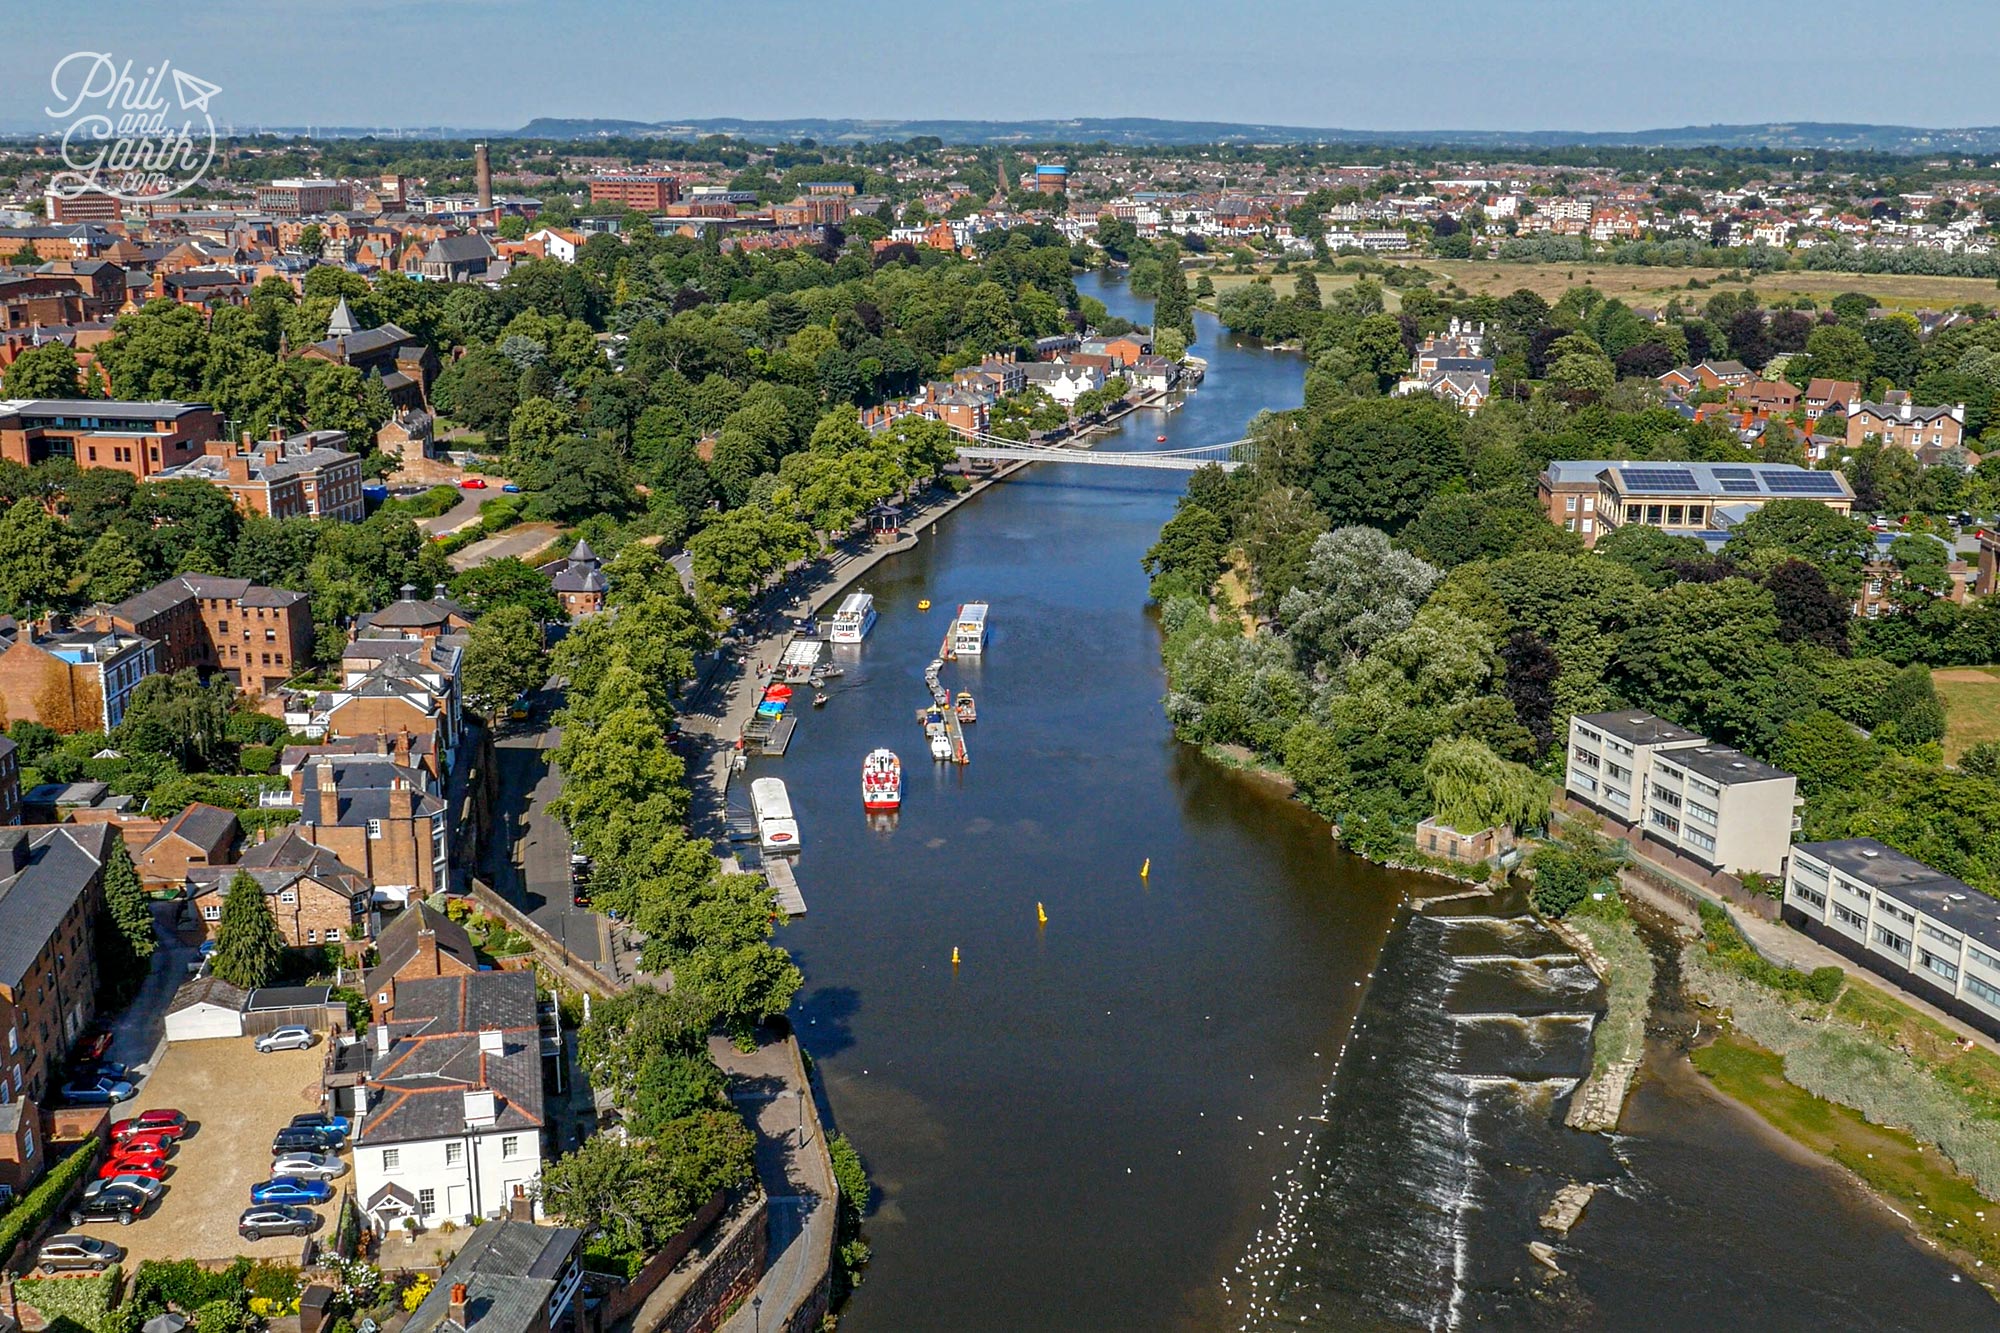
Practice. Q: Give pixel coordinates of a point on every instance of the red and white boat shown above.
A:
(881, 781)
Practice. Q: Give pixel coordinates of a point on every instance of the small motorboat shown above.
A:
(1159, 439)
(819, 700)
(940, 747)
(967, 711)
(830, 672)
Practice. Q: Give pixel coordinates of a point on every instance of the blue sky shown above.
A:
(1496, 64)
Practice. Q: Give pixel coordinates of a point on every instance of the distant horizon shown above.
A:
(489, 65)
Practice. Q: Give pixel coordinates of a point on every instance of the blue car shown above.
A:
(334, 1125)
(291, 1190)
(511, 488)
(96, 1091)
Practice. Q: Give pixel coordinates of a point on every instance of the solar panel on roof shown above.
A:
(1802, 483)
(1738, 485)
(1734, 473)
(1659, 479)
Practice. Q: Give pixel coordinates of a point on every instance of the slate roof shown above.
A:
(208, 990)
(364, 341)
(418, 1086)
(57, 865)
(102, 409)
(266, 998)
(206, 826)
(397, 945)
(458, 250)
(510, 1271)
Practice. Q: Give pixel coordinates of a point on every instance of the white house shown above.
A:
(557, 245)
(452, 1122)
(1064, 383)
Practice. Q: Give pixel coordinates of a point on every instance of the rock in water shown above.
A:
(1567, 1207)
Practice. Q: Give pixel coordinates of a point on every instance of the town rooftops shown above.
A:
(398, 944)
(510, 1272)
(453, 1035)
(1932, 892)
(361, 342)
(205, 826)
(1638, 727)
(163, 597)
(1724, 766)
(43, 871)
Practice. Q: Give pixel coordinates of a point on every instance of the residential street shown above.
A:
(529, 866)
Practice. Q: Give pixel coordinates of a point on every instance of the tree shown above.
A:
(510, 581)
(1471, 788)
(1839, 352)
(1809, 611)
(1656, 556)
(179, 716)
(1192, 546)
(1807, 530)
(503, 659)
(639, 1193)
(125, 938)
(37, 559)
(112, 569)
(1379, 461)
(1355, 590)
(45, 371)
(248, 947)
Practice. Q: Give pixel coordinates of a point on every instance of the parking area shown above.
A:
(235, 1099)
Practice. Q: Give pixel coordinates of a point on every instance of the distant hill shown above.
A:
(1139, 130)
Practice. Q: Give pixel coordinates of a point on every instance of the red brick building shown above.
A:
(51, 891)
(310, 475)
(258, 637)
(649, 192)
(144, 439)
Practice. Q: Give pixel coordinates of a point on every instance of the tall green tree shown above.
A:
(45, 371)
(504, 659)
(125, 937)
(248, 947)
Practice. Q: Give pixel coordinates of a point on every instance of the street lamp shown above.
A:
(756, 1314)
(800, 1094)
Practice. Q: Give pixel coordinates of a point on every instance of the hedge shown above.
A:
(80, 1301)
(1727, 946)
(41, 1202)
(186, 1285)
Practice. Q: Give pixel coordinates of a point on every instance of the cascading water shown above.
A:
(1476, 1027)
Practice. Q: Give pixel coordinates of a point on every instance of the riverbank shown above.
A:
(1913, 1116)
(1603, 933)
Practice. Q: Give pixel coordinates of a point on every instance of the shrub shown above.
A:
(186, 1285)
(257, 758)
(82, 1302)
(43, 1200)
(1727, 946)
(414, 1294)
(223, 1316)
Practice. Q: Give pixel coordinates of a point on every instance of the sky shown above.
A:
(1445, 64)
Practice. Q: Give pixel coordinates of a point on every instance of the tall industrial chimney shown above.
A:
(482, 171)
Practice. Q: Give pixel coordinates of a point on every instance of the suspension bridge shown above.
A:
(1228, 455)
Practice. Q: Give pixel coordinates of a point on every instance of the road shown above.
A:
(139, 1034)
(520, 541)
(464, 512)
(527, 862)
(766, 1089)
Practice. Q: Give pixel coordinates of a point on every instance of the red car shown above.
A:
(144, 1147)
(152, 1168)
(473, 483)
(162, 1121)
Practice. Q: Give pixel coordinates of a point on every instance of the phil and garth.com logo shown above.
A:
(123, 134)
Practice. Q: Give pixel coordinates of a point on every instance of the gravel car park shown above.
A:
(234, 1100)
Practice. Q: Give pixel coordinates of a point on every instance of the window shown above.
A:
(1848, 917)
(1661, 819)
(1589, 503)
(1810, 869)
(1670, 799)
(1585, 757)
(1699, 839)
(211, 911)
(1933, 963)
(454, 1153)
(1588, 524)
(289, 896)
(1569, 504)
(333, 934)
(427, 1201)
(312, 937)
(1813, 896)
(374, 828)
(1944, 937)
(392, 1159)
(1891, 940)
(1702, 813)
(1981, 957)
(510, 1146)
(270, 635)
(1984, 990)
(1617, 772)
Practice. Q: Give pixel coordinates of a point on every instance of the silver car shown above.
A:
(69, 1253)
(309, 1166)
(285, 1039)
(150, 1188)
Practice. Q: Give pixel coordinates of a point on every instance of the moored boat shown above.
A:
(967, 710)
(881, 781)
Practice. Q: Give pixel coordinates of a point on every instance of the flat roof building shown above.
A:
(1592, 496)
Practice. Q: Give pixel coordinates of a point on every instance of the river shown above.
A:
(1121, 1118)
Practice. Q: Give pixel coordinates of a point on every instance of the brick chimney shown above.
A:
(458, 1304)
(482, 175)
(403, 748)
(520, 1207)
(402, 801)
(426, 959)
(329, 794)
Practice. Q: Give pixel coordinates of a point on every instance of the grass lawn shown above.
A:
(1636, 285)
(1971, 698)
(1920, 1183)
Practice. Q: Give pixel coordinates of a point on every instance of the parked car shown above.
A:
(309, 1166)
(147, 1187)
(62, 1254)
(144, 1148)
(473, 483)
(285, 1039)
(270, 1219)
(104, 1201)
(287, 1190)
(147, 1168)
(111, 1069)
(299, 1138)
(163, 1121)
(321, 1121)
(511, 488)
(97, 1091)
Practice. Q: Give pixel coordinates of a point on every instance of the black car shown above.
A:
(270, 1219)
(302, 1138)
(107, 1201)
(320, 1123)
(86, 1070)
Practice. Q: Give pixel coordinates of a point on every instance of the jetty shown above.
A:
(941, 700)
(785, 885)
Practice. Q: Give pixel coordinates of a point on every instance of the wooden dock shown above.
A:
(780, 735)
(778, 870)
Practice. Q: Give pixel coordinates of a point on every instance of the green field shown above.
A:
(1971, 698)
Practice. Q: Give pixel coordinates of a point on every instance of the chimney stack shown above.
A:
(329, 795)
(520, 1207)
(458, 1288)
(402, 801)
(427, 953)
(482, 171)
(402, 751)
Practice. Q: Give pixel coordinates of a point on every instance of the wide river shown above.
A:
(1126, 1117)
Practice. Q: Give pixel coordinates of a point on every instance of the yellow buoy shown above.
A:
(924, 605)
(1146, 869)
(1041, 915)
(954, 955)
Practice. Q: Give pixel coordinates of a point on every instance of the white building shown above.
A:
(452, 1121)
(1064, 383)
(1896, 916)
(1716, 806)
